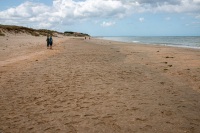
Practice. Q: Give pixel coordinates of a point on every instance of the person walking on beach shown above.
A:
(50, 42)
(48, 39)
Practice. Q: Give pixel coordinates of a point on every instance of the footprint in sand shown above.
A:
(167, 112)
(169, 57)
(146, 127)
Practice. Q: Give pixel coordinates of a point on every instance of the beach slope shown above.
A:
(90, 86)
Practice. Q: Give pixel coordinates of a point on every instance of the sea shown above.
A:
(176, 41)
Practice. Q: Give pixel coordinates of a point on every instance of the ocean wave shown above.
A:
(135, 41)
(177, 41)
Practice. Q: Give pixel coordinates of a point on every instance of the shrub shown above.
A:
(1, 34)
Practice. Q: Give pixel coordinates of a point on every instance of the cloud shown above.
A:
(141, 19)
(197, 16)
(167, 18)
(75, 11)
(156, 2)
(196, 1)
(25, 10)
(67, 11)
(100, 8)
(44, 25)
(107, 24)
(194, 24)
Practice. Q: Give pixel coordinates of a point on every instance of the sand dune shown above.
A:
(90, 86)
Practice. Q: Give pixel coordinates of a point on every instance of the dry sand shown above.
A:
(96, 86)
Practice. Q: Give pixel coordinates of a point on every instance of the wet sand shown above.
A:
(97, 86)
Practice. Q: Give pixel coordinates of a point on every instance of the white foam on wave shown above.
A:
(135, 41)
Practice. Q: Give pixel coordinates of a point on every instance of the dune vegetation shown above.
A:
(35, 32)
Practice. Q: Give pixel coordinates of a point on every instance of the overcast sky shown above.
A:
(106, 17)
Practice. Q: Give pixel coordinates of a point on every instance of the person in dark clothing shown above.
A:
(48, 40)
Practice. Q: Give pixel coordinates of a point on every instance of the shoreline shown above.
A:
(88, 86)
(150, 43)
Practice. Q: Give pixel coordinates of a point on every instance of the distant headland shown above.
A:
(13, 29)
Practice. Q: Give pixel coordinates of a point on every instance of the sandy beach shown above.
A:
(97, 86)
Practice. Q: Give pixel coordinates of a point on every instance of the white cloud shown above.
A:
(27, 9)
(167, 18)
(73, 11)
(68, 11)
(196, 1)
(197, 16)
(195, 24)
(141, 19)
(107, 24)
(44, 25)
